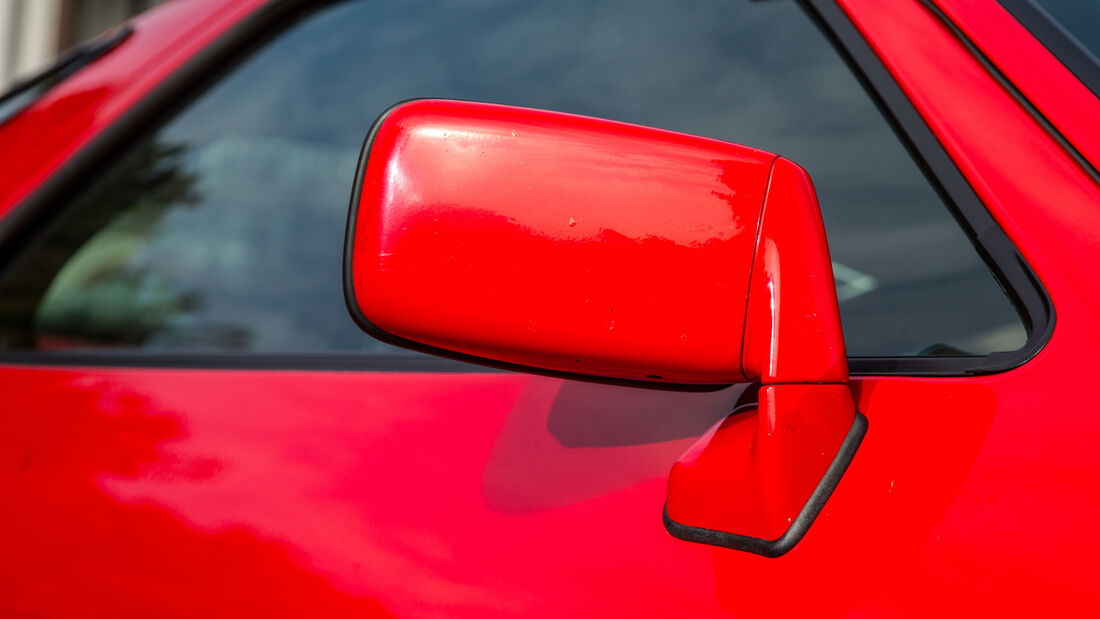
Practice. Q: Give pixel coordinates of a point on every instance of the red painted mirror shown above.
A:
(561, 244)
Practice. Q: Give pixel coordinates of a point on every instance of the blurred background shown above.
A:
(34, 32)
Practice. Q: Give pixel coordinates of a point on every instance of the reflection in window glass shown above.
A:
(222, 230)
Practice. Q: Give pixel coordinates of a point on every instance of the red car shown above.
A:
(615, 369)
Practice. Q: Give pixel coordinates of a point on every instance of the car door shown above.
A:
(193, 423)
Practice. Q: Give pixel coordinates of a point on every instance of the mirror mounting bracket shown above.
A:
(757, 483)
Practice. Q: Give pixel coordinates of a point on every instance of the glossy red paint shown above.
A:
(630, 253)
(559, 242)
(792, 322)
(1067, 103)
(85, 104)
(994, 550)
(751, 475)
(138, 492)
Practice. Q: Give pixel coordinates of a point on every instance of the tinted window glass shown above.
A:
(222, 230)
(1081, 18)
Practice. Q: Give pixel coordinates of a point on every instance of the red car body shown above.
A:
(128, 491)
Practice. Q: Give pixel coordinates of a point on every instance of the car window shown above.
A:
(221, 230)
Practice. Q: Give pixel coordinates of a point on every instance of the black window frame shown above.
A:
(1005, 262)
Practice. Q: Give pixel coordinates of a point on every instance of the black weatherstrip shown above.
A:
(801, 523)
(1012, 272)
(67, 63)
(1016, 93)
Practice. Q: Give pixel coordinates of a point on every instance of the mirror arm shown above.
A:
(756, 484)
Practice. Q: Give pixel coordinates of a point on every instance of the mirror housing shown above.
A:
(555, 242)
(568, 245)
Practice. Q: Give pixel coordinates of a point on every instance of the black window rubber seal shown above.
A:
(1003, 80)
(1007, 264)
(772, 548)
(1080, 61)
(67, 63)
(1010, 269)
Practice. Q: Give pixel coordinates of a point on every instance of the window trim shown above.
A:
(67, 63)
(1006, 262)
(1061, 43)
(1003, 259)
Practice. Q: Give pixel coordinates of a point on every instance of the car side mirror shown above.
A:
(592, 249)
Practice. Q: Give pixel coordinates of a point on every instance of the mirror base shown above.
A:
(799, 526)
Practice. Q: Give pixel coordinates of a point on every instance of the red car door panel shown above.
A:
(427, 493)
(136, 491)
